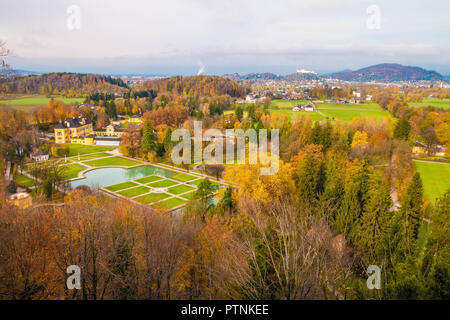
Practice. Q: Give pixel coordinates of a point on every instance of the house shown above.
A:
(309, 107)
(39, 155)
(80, 131)
(421, 148)
(110, 131)
(73, 129)
(304, 107)
(22, 200)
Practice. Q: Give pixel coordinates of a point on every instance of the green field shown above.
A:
(189, 195)
(184, 177)
(29, 102)
(24, 181)
(112, 161)
(121, 186)
(170, 203)
(435, 177)
(441, 103)
(72, 170)
(162, 184)
(133, 192)
(149, 179)
(182, 188)
(152, 197)
(75, 149)
(347, 112)
(92, 156)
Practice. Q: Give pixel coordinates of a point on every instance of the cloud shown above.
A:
(230, 35)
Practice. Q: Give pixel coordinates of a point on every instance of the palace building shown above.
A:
(81, 131)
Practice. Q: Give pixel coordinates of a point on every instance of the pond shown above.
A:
(107, 176)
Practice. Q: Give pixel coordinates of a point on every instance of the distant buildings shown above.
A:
(304, 107)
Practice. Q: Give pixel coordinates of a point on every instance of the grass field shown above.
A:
(170, 203)
(182, 188)
(121, 186)
(29, 102)
(152, 197)
(162, 184)
(72, 170)
(188, 195)
(92, 156)
(133, 192)
(347, 112)
(184, 177)
(75, 149)
(441, 103)
(112, 161)
(149, 179)
(24, 181)
(435, 177)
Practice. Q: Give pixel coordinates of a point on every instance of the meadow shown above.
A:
(27, 103)
(435, 177)
(80, 149)
(441, 103)
(347, 112)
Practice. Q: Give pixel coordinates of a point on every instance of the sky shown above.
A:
(186, 37)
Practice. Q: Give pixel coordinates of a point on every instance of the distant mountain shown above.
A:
(26, 72)
(388, 72)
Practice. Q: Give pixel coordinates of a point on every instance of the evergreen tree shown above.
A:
(239, 113)
(168, 140)
(148, 137)
(374, 226)
(402, 129)
(411, 212)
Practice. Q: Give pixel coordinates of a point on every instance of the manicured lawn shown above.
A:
(152, 197)
(184, 177)
(189, 195)
(162, 184)
(29, 102)
(24, 180)
(129, 193)
(170, 203)
(112, 161)
(72, 170)
(347, 112)
(441, 103)
(75, 149)
(182, 188)
(435, 177)
(92, 156)
(149, 179)
(121, 186)
(197, 182)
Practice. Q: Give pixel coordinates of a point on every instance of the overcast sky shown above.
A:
(224, 36)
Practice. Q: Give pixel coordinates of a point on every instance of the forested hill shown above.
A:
(198, 85)
(388, 72)
(68, 84)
